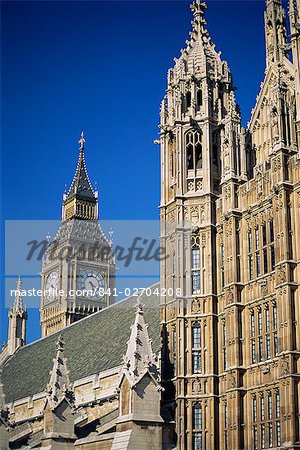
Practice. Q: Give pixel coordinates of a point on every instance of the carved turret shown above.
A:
(294, 13)
(59, 385)
(139, 413)
(272, 128)
(275, 31)
(139, 358)
(199, 98)
(17, 322)
(233, 165)
(59, 409)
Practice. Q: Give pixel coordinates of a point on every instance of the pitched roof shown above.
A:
(92, 345)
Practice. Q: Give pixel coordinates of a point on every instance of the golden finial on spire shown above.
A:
(81, 142)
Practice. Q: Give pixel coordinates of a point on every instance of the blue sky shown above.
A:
(101, 67)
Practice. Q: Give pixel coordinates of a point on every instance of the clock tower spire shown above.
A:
(81, 201)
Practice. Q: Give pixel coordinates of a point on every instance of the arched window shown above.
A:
(195, 265)
(174, 351)
(197, 427)
(224, 345)
(173, 274)
(253, 347)
(199, 98)
(196, 348)
(190, 151)
(172, 164)
(226, 426)
(188, 99)
(216, 149)
(194, 150)
(275, 334)
(198, 151)
(254, 408)
(222, 265)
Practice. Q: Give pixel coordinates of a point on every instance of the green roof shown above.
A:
(92, 345)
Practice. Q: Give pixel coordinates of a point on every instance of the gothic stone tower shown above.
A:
(78, 271)
(229, 215)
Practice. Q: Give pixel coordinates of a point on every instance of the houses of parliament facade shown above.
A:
(216, 364)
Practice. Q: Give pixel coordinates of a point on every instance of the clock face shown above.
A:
(91, 282)
(51, 286)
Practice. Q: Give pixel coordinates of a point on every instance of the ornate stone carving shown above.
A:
(196, 386)
(264, 287)
(194, 215)
(285, 366)
(190, 185)
(229, 295)
(275, 127)
(282, 278)
(232, 380)
(199, 185)
(172, 312)
(196, 305)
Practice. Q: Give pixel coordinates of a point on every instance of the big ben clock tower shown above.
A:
(78, 274)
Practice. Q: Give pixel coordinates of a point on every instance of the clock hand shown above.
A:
(92, 284)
